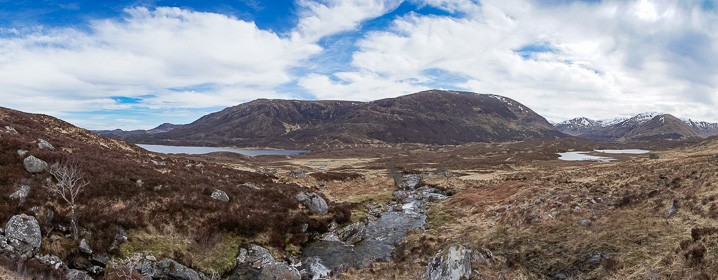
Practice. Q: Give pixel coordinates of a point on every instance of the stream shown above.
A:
(380, 236)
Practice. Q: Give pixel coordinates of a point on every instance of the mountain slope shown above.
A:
(430, 117)
(119, 133)
(642, 127)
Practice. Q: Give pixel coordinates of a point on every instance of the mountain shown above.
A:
(642, 127)
(119, 133)
(429, 117)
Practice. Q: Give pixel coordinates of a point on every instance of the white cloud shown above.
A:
(356, 86)
(327, 17)
(610, 58)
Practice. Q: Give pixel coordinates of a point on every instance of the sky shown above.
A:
(134, 64)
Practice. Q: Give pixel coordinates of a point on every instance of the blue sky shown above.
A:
(137, 64)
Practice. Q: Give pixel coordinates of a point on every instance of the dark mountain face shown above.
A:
(430, 117)
(642, 127)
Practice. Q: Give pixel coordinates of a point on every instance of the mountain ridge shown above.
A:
(428, 117)
(638, 128)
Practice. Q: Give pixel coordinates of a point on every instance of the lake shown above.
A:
(584, 156)
(190, 150)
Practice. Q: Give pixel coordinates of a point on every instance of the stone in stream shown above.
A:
(452, 263)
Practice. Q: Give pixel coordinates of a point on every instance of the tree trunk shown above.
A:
(73, 220)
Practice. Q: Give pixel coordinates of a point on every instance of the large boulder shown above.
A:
(254, 256)
(43, 144)
(174, 270)
(220, 195)
(452, 263)
(34, 165)
(23, 235)
(316, 204)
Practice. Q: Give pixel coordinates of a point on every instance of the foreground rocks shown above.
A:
(255, 262)
(452, 263)
(23, 236)
(34, 165)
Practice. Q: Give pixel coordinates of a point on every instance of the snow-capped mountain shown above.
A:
(637, 127)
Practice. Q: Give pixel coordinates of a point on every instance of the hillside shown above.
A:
(642, 127)
(119, 133)
(430, 117)
(196, 213)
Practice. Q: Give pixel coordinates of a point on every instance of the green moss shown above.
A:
(219, 258)
(158, 245)
(438, 216)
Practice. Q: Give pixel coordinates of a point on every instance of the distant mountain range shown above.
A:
(429, 117)
(642, 127)
(119, 133)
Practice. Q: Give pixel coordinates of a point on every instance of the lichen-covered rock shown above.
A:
(21, 193)
(43, 144)
(34, 165)
(279, 271)
(255, 256)
(85, 247)
(173, 270)
(316, 204)
(220, 195)
(452, 263)
(74, 274)
(23, 235)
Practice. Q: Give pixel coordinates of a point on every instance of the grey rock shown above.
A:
(174, 270)
(254, 256)
(352, 234)
(400, 196)
(220, 195)
(585, 223)
(85, 247)
(22, 152)
(158, 162)
(316, 269)
(409, 181)
(34, 165)
(43, 144)
(452, 263)
(279, 271)
(21, 193)
(316, 204)
(95, 270)
(74, 274)
(51, 260)
(301, 197)
(10, 129)
(297, 174)
(673, 209)
(23, 234)
(100, 260)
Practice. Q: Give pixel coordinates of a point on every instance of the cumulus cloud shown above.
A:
(321, 18)
(594, 59)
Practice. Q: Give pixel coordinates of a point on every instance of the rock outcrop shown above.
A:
(255, 262)
(23, 235)
(452, 263)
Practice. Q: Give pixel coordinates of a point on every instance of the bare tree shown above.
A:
(70, 182)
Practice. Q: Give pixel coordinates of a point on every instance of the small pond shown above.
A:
(191, 150)
(584, 155)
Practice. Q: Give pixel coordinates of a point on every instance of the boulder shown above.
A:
(174, 270)
(452, 263)
(43, 144)
(22, 152)
(254, 256)
(21, 193)
(409, 181)
(316, 204)
(85, 247)
(301, 197)
(34, 165)
(279, 271)
(74, 274)
(220, 195)
(23, 234)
